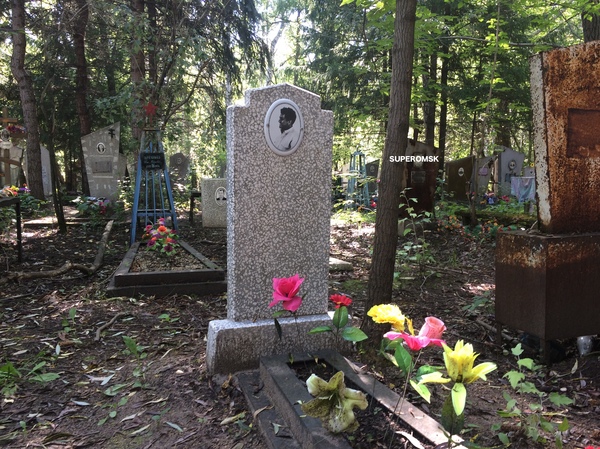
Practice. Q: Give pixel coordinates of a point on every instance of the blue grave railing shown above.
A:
(153, 196)
(357, 193)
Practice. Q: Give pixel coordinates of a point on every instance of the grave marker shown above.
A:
(214, 202)
(508, 165)
(104, 164)
(421, 177)
(566, 107)
(278, 213)
(179, 167)
(547, 282)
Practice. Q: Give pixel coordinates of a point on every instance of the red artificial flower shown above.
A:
(162, 228)
(286, 290)
(430, 334)
(340, 300)
(433, 328)
(414, 343)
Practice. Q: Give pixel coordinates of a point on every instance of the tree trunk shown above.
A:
(443, 108)
(591, 24)
(138, 72)
(429, 105)
(56, 190)
(381, 276)
(83, 112)
(28, 102)
(152, 50)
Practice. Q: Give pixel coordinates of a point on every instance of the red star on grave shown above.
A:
(150, 110)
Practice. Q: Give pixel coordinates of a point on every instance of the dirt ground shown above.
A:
(79, 369)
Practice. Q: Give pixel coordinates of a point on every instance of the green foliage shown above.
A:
(451, 422)
(137, 351)
(97, 210)
(508, 216)
(167, 318)
(30, 207)
(341, 328)
(483, 302)
(415, 249)
(358, 217)
(134, 349)
(11, 376)
(68, 323)
(200, 58)
(538, 424)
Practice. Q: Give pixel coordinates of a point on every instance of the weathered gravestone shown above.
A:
(508, 165)
(529, 172)
(179, 168)
(462, 174)
(373, 176)
(422, 175)
(458, 177)
(214, 202)
(547, 282)
(278, 212)
(104, 164)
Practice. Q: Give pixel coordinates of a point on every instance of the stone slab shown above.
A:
(339, 265)
(271, 424)
(287, 392)
(234, 346)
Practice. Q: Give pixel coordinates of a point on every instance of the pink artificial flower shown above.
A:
(592, 447)
(414, 343)
(340, 300)
(286, 290)
(433, 328)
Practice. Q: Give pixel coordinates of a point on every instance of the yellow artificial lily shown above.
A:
(388, 313)
(435, 377)
(459, 363)
(334, 403)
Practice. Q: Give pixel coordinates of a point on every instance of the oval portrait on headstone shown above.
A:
(284, 127)
(221, 196)
(101, 148)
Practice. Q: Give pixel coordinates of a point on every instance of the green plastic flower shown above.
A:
(334, 403)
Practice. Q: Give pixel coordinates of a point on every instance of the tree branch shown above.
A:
(67, 266)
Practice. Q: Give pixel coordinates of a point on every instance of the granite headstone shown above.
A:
(278, 222)
(104, 164)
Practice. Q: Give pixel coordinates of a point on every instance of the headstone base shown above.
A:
(234, 346)
(547, 285)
